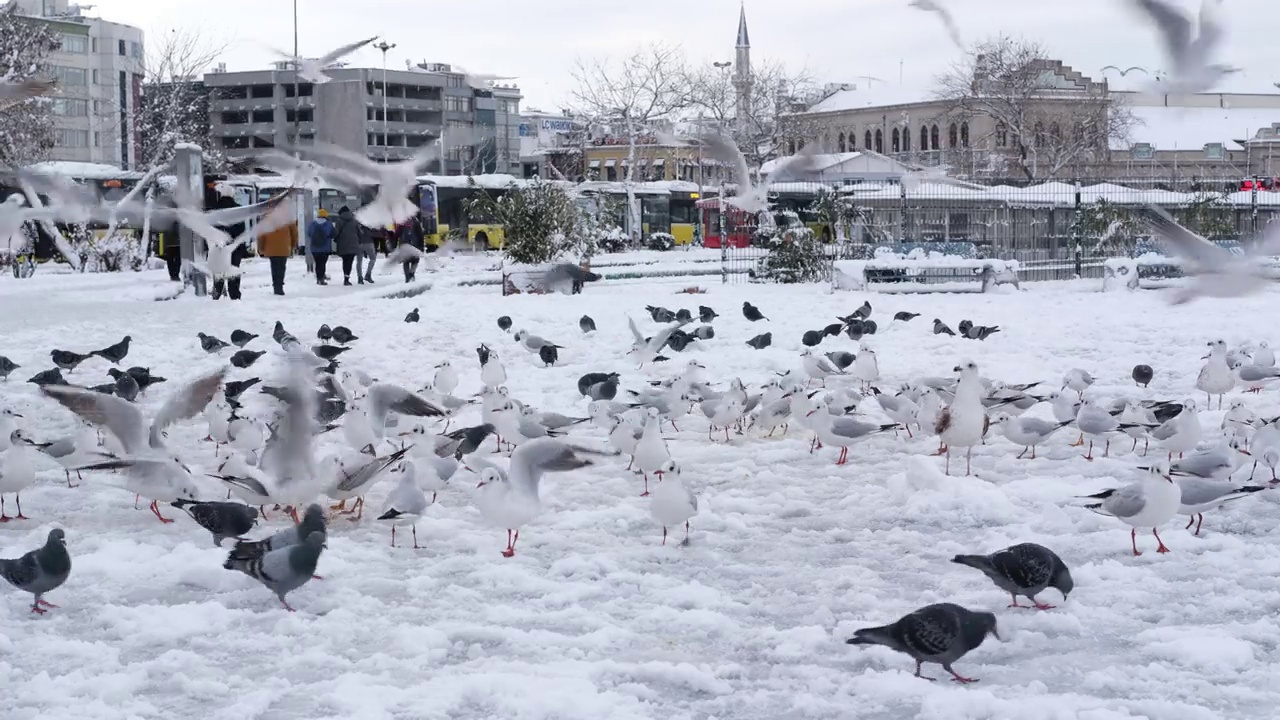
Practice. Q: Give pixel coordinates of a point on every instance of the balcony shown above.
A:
(218, 104)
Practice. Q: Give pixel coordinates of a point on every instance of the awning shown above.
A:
(626, 162)
(610, 162)
(595, 163)
(660, 161)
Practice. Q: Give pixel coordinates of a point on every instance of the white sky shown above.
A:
(837, 40)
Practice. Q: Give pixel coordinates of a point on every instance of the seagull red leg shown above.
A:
(1133, 538)
(1162, 548)
(155, 508)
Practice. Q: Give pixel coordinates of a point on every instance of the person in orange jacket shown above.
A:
(277, 245)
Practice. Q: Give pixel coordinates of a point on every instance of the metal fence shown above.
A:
(1055, 230)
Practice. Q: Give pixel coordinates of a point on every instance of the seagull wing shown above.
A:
(1126, 501)
(727, 152)
(337, 158)
(635, 331)
(187, 402)
(1184, 242)
(402, 253)
(333, 57)
(385, 398)
(123, 419)
(532, 459)
(1174, 25)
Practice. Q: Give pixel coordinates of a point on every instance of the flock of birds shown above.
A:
(384, 432)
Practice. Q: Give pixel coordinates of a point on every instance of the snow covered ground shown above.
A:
(593, 619)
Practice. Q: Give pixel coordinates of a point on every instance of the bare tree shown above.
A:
(26, 128)
(634, 96)
(1040, 126)
(175, 103)
(762, 133)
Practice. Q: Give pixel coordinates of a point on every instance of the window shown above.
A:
(953, 136)
(897, 140)
(1143, 151)
(75, 44)
(235, 143)
(933, 137)
(121, 49)
(457, 104)
(97, 139)
(906, 139)
(95, 77)
(97, 107)
(70, 77)
(135, 50)
(235, 118)
(93, 43)
(71, 138)
(841, 142)
(791, 147)
(1215, 151)
(453, 80)
(879, 141)
(964, 135)
(303, 115)
(1002, 135)
(263, 116)
(924, 137)
(70, 107)
(866, 141)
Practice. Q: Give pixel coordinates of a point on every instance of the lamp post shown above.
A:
(724, 240)
(297, 99)
(384, 46)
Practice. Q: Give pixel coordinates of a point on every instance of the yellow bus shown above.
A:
(444, 202)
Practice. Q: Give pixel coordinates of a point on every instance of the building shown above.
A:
(551, 145)
(99, 70)
(478, 127)
(1224, 135)
(743, 82)
(607, 155)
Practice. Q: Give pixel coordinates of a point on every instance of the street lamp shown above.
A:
(724, 241)
(384, 46)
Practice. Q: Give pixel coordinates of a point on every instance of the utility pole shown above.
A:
(297, 98)
(384, 46)
(723, 226)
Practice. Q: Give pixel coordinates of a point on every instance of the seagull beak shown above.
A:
(810, 412)
(480, 485)
(1246, 452)
(17, 415)
(956, 369)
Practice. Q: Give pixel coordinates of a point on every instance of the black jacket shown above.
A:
(235, 230)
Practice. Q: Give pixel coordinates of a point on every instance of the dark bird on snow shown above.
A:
(594, 378)
(599, 386)
(105, 388)
(464, 441)
(244, 358)
(325, 333)
(48, 377)
(142, 375)
(233, 389)
(683, 315)
(587, 324)
(1025, 569)
(68, 360)
(342, 335)
(240, 338)
(278, 333)
(222, 519)
(941, 634)
(751, 312)
(41, 570)
(126, 387)
(7, 366)
(704, 332)
(855, 329)
(833, 329)
(869, 327)
(660, 314)
(841, 359)
(483, 353)
(680, 340)
(115, 353)
(940, 328)
(863, 312)
(285, 570)
(1143, 374)
(548, 355)
(328, 352)
(504, 323)
(211, 344)
(976, 332)
(761, 342)
(706, 314)
(412, 317)
(905, 316)
(813, 337)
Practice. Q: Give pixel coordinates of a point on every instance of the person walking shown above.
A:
(347, 234)
(410, 233)
(230, 286)
(277, 245)
(320, 242)
(368, 254)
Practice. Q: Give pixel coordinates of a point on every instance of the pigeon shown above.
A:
(861, 313)
(603, 384)
(343, 336)
(223, 519)
(504, 323)
(67, 360)
(412, 317)
(940, 328)
(1192, 71)
(235, 388)
(40, 571)
(706, 314)
(240, 338)
(211, 344)
(126, 387)
(328, 352)
(933, 6)
(564, 278)
(684, 316)
(834, 329)
(941, 633)
(548, 355)
(142, 375)
(812, 337)
(279, 334)
(841, 359)
(285, 570)
(1025, 569)
(7, 366)
(751, 312)
(313, 521)
(1142, 374)
(704, 332)
(977, 332)
(905, 316)
(244, 358)
(869, 327)
(855, 329)
(680, 340)
(104, 388)
(586, 324)
(660, 314)
(325, 333)
(762, 341)
(312, 69)
(115, 353)
(48, 377)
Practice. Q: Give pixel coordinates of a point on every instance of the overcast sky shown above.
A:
(837, 40)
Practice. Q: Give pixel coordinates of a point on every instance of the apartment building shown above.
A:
(386, 115)
(99, 69)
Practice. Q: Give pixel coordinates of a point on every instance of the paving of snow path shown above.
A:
(593, 619)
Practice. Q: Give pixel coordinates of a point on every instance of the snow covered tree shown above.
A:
(175, 104)
(541, 221)
(796, 255)
(762, 134)
(1040, 123)
(644, 90)
(26, 129)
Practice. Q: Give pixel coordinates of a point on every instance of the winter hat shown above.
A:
(322, 213)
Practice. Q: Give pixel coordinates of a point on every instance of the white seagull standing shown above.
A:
(509, 499)
(1216, 377)
(964, 421)
(405, 504)
(672, 503)
(1200, 495)
(1027, 431)
(1148, 503)
(651, 455)
(818, 366)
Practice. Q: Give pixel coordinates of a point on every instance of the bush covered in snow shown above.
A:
(114, 253)
(660, 241)
(541, 221)
(795, 256)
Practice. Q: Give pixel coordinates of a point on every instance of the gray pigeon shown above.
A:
(343, 335)
(704, 332)
(223, 519)
(67, 360)
(1025, 569)
(7, 366)
(312, 521)
(48, 377)
(841, 358)
(706, 314)
(245, 358)
(40, 571)
(761, 341)
(126, 387)
(412, 317)
(115, 353)
(240, 338)
(210, 344)
(941, 634)
(283, 570)
(586, 324)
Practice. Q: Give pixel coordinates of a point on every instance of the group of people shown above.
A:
(358, 245)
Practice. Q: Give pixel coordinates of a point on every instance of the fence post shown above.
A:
(902, 214)
(724, 240)
(1253, 209)
(1076, 238)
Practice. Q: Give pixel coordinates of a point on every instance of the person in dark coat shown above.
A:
(410, 233)
(320, 242)
(347, 236)
(231, 286)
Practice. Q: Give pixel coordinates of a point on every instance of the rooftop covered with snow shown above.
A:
(1183, 128)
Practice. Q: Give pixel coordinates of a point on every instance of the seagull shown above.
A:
(445, 380)
(648, 350)
(1181, 433)
(510, 499)
(819, 367)
(355, 481)
(944, 15)
(672, 503)
(1214, 464)
(1255, 377)
(839, 431)
(1190, 59)
(651, 454)
(312, 69)
(749, 197)
(1124, 72)
(1215, 377)
(1078, 380)
(17, 473)
(74, 451)
(405, 504)
(1027, 431)
(1199, 495)
(391, 205)
(533, 343)
(963, 422)
(1150, 502)
(1215, 271)
(1097, 425)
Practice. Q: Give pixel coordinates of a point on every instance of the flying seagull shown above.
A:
(1125, 71)
(312, 69)
(749, 197)
(945, 15)
(1214, 271)
(1192, 71)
